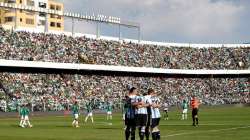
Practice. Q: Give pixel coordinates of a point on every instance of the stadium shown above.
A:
(67, 85)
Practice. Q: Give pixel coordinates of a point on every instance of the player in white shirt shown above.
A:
(166, 111)
(148, 99)
(141, 114)
(155, 115)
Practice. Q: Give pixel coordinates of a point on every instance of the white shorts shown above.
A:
(109, 113)
(26, 118)
(76, 116)
(185, 111)
(90, 114)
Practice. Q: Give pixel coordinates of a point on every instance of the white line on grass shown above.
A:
(103, 123)
(211, 124)
(207, 131)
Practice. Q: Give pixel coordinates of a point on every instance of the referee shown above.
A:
(195, 108)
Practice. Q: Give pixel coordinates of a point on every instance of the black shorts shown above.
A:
(155, 122)
(130, 122)
(149, 120)
(141, 119)
(195, 111)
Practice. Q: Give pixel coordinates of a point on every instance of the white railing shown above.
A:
(70, 66)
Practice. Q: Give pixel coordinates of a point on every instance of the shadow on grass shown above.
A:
(15, 126)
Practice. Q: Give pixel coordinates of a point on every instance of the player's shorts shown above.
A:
(165, 110)
(149, 120)
(26, 118)
(90, 114)
(76, 116)
(109, 113)
(141, 119)
(195, 111)
(130, 122)
(155, 122)
(184, 111)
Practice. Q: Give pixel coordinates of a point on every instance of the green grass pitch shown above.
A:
(216, 123)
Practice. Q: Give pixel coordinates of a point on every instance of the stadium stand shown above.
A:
(56, 91)
(67, 49)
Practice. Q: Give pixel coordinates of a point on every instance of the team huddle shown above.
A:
(143, 112)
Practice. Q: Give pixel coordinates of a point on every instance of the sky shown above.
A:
(180, 21)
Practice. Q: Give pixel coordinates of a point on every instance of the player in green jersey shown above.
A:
(89, 108)
(184, 110)
(109, 109)
(75, 112)
(21, 114)
(25, 112)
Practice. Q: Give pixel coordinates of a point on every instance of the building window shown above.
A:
(58, 8)
(8, 10)
(41, 23)
(21, 20)
(9, 19)
(52, 16)
(10, 1)
(29, 21)
(55, 16)
(58, 25)
(30, 3)
(42, 14)
(52, 24)
(21, 1)
(52, 7)
(30, 13)
(42, 5)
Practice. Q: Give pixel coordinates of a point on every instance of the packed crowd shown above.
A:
(58, 91)
(67, 49)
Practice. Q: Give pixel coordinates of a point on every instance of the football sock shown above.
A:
(158, 135)
(197, 121)
(127, 133)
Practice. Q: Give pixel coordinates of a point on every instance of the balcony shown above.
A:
(10, 1)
